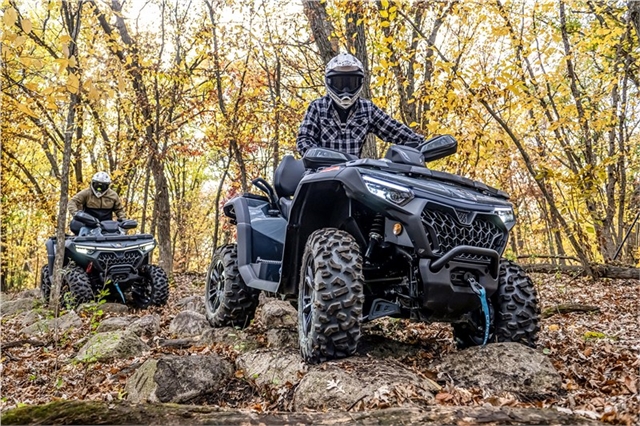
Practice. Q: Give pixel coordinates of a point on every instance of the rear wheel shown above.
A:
(45, 283)
(330, 298)
(76, 287)
(515, 314)
(154, 288)
(228, 300)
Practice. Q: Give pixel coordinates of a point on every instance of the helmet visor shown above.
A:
(345, 83)
(100, 187)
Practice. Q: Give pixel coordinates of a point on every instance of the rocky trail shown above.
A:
(106, 364)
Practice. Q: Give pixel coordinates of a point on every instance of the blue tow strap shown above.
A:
(115, 283)
(482, 294)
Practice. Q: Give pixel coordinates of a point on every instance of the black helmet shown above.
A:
(343, 77)
(100, 182)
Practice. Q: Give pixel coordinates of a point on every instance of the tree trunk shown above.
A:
(72, 24)
(321, 28)
(599, 271)
(107, 413)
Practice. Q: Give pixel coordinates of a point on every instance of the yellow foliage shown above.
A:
(10, 17)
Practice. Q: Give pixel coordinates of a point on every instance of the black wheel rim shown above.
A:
(306, 305)
(215, 284)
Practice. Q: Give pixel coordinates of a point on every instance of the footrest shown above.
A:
(382, 308)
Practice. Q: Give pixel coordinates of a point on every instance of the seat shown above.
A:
(285, 180)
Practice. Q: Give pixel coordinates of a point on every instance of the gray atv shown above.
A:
(107, 260)
(353, 240)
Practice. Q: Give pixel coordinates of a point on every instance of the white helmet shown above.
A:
(100, 183)
(343, 77)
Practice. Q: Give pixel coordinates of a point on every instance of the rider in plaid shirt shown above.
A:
(341, 120)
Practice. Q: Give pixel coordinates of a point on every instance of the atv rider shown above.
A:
(341, 120)
(98, 200)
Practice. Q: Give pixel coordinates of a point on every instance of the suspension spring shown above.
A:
(377, 226)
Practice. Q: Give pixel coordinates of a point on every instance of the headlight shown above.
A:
(147, 247)
(507, 216)
(85, 250)
(388, 191)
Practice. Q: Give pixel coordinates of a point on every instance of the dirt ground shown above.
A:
(596, 354)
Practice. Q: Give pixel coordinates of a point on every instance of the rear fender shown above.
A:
(260, 238)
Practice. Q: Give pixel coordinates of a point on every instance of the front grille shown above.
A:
(447, 229)
(108, 259)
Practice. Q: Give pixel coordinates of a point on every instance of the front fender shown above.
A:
(317, 204)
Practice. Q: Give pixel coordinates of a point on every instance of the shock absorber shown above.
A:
(376, 234)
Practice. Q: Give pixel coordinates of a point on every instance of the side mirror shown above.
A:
(438, 147)
(128, 224)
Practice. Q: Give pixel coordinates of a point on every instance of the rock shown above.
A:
(279, 314)
(113, 308)
(237, 339)
(192, 303)
(502, 367)
(188, 323)
(31, 317)
(178, 379)
(110, 345)
(33, 293)
(383, 347)
(113, 323)
(340, 385)
(65, 322)
(278, 338)
(11, 307)
(272, 368)
(146, 327)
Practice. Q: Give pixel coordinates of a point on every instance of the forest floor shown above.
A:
(596, 354)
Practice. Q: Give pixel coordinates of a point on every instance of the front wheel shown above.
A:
(228, 300)
(76, 287)
(330, 298)
(517, 309)
(154, 288)
(515, 315)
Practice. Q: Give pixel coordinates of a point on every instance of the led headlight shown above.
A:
(506, 215)
(147, 247)
(85, 249)
(388, 191)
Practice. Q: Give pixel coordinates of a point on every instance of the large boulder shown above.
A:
(28, 318)
(12, 307)
(65, 322)
(113, 323)
(278, 314)
(33, 293)
(271, 368)
(191, 303)
(340, 385)
(188, 323)
(280, 338)
(178, 379)
(238, 339)
(145, 327)
(111, 345)
(502, 367)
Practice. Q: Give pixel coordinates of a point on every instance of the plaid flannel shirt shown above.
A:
(322, 127)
